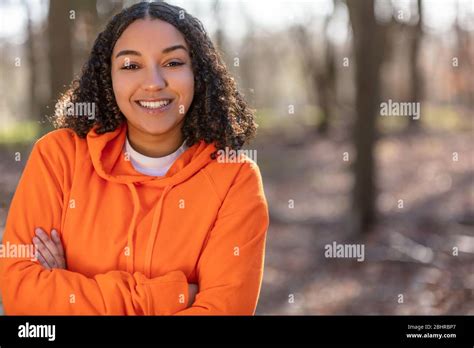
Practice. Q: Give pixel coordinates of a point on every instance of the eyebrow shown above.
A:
(136, 53)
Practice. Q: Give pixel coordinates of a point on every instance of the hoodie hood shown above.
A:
(109, 161)
(107, 154)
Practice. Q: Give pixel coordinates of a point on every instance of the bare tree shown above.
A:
(219, 34)
(320, 71)
(465, 62)
(248, 57)
(416, 82)
(368, 42)
(60, 22)
(34, 111)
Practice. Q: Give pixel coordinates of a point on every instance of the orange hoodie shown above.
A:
(134, 242)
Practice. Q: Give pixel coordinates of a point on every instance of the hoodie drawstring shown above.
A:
(131, 228)
(154, 229)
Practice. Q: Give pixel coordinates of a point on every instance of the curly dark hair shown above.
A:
(218, 112)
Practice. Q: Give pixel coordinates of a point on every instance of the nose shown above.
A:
(154, 80)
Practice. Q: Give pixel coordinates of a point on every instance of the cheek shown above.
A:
(184, 85)
(122, 87)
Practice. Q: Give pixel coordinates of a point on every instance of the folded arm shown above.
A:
(230, 268)
(28, 288)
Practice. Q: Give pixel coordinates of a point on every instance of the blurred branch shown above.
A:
(32, 64)
(320, 70)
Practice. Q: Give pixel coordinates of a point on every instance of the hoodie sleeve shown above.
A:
(29, 289)
(230, 268)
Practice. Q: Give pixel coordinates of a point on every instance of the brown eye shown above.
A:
(129, 67)
(174, 64)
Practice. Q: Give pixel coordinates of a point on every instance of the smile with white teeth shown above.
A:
(154, 104)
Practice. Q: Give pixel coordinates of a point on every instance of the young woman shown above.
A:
(129, 208)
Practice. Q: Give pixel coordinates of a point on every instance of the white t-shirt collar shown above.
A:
(153, 166)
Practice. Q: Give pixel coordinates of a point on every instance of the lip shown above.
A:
(153, 99)
(154, 111)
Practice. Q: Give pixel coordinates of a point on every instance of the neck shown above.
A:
(151, 145)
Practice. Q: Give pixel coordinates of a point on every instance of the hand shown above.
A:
(193, 290)
(50, 252)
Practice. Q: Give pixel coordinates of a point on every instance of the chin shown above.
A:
(158, 127)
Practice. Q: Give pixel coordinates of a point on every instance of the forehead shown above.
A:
(149, 35)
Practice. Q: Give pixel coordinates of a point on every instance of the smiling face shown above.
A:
(152, 78)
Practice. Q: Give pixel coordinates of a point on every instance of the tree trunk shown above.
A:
(368, 41)
(326, 83)
(219, 33)
(416, 88)
(60, 51)
(321, 72)
(34, 113)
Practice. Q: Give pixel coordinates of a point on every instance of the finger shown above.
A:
(55, 252)
(48, 243)
(57, 242)
(44, 252)
(42, 261)
(61, 260)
